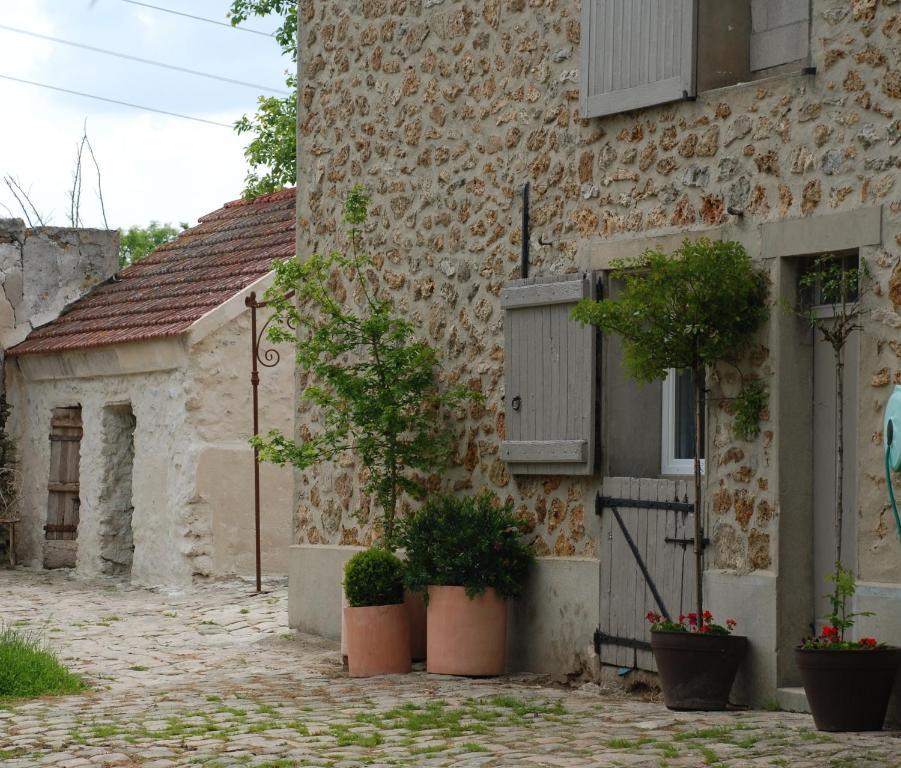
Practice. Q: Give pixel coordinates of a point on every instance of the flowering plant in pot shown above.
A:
(848, 682)
(690, 311)
(696, 659)
(377, 627)
(469, 554)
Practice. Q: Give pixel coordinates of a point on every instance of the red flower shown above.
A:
(681, 618)
(652, 617)
(731, 623)
(830, 633)
(693, 619)
(867, 642)
(704, 628)
(708, 617)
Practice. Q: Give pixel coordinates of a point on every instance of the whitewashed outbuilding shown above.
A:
(132, 412)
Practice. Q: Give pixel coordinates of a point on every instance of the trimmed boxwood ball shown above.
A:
(471, 541)
(374, 577)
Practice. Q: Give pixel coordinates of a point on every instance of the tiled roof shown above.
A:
(165, 292)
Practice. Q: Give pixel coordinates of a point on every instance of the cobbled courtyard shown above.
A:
(213, 676)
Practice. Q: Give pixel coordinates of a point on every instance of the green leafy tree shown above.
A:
(375, 383)
(272, 151)
(136, 242)
(691, 310)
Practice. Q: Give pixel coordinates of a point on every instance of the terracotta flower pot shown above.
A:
(467, 636)
(848, 690)
(697, 670)
(415, 602)
(378, 640)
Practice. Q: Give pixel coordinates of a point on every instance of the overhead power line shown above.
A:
(151, 62)
(197, 18)
(114, 101)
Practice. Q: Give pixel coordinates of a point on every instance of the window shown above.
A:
(637, 53)
(678, 431)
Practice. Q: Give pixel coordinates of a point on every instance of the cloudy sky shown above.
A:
(153, 167)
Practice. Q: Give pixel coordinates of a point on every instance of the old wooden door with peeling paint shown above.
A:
(63, 503)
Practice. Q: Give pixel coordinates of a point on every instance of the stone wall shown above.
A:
(443, 109)
(43, 270)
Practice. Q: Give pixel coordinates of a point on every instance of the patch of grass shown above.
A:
(471, 746)
(667, 749)
(710, 757)
(629, 743)
(213, 697)
(29, 669)
(170, 614)
(719, 732)
(771, 705)
(347, 737)
(245, 610)
(138, 668)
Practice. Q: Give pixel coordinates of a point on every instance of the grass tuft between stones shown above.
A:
(28, 668)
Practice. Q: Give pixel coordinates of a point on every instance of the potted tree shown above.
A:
(376, 622)
(848, 682)
(692, 310)
(374, 382)
(468, 552)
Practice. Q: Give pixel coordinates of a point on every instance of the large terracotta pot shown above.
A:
(416, 610)
(848, 690)
(467, 636)
(378, 640)
(697, 670)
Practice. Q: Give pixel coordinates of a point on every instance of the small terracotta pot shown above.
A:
(415, 602)
(378, 640)
(467, 636)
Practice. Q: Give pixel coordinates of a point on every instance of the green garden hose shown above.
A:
(892, 443)
(891, 491)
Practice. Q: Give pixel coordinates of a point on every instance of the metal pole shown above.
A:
(251, 301)
(524, 261)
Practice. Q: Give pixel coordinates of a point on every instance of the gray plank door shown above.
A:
(550, 377)
(636, 53)
(625, 594)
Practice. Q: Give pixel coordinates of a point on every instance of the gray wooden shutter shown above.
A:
(780, 32)
(636, 53)
(549, 377)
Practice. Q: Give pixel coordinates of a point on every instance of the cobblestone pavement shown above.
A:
(214, 677)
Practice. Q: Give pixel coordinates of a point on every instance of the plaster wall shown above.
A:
(171, 543)
(45, 269)
(192, 482)
(444, 109)
(219, 415)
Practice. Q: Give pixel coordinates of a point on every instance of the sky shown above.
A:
(153, 167)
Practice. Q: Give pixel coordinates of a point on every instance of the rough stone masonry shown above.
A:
(443, 109)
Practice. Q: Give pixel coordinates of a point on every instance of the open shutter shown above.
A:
(636, 53)
(549, 377)
(780, 32)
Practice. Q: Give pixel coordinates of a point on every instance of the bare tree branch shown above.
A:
(97, 168)
(22, 198)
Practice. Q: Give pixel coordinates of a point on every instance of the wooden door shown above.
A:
(63, 489)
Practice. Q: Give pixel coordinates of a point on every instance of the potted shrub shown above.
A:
(377, 627)
(469, 554)
(696, 659)
(848, 682)
(692, 310)
(374, 382)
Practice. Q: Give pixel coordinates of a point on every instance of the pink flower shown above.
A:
(693, 619)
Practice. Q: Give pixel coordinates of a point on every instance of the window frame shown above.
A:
(669, 464)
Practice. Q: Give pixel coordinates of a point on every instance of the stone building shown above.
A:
(143, 387)
(636, 125)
